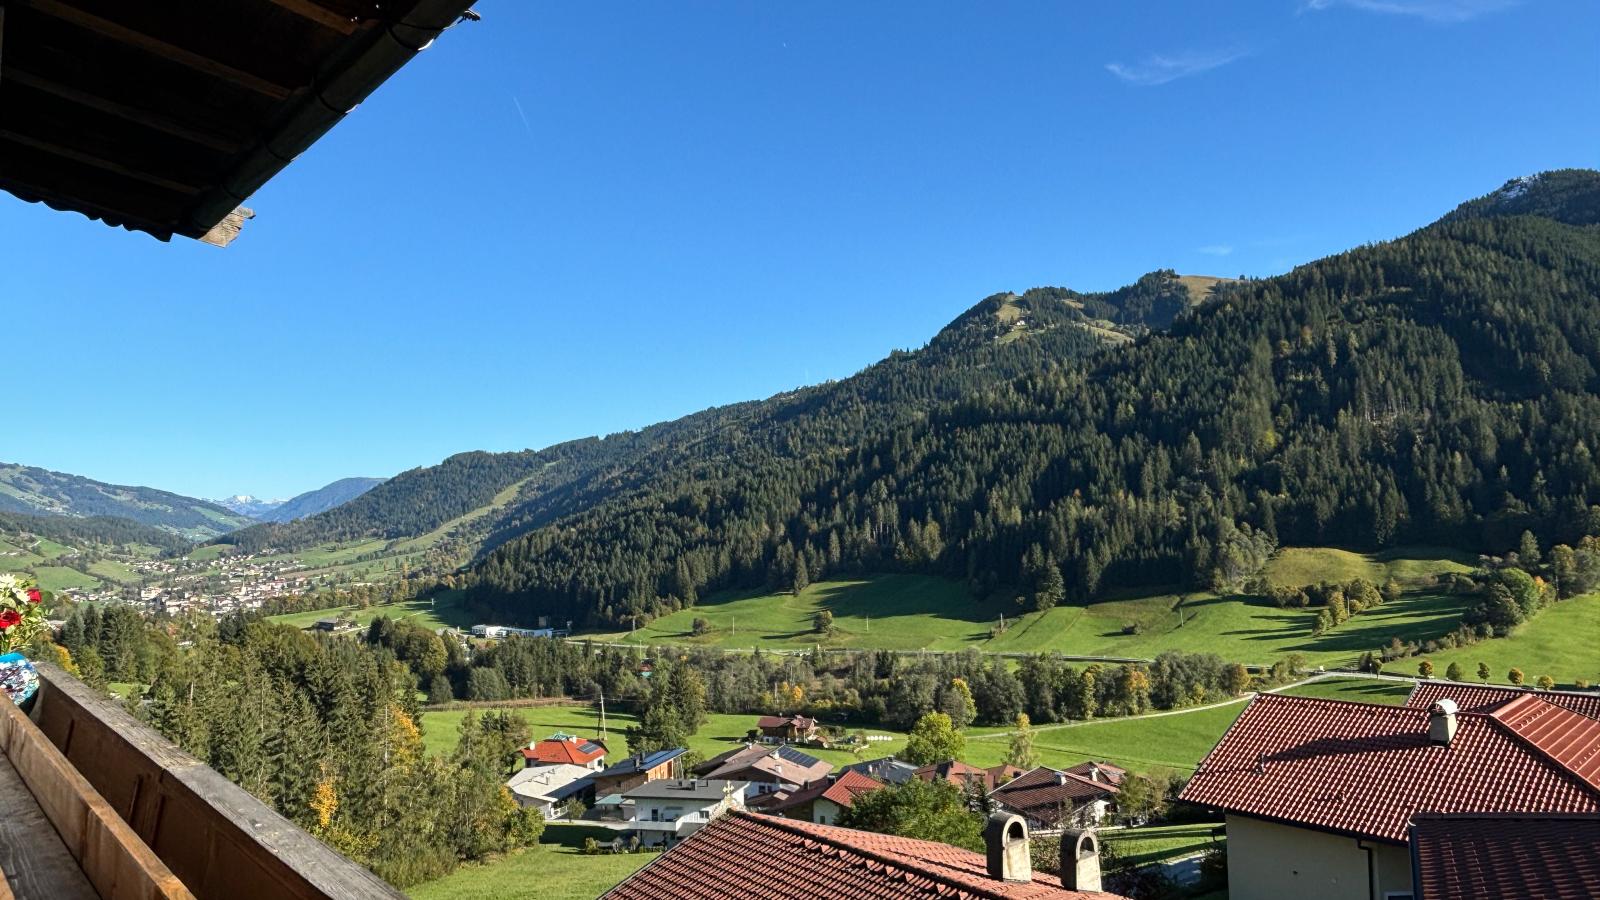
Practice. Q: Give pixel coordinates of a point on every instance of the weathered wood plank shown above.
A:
(35, 862)
(322, 15)
(109, 854)
(155, 46)
(222, 842)
(143, 117)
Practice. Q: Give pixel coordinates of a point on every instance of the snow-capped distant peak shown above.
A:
(248, 505)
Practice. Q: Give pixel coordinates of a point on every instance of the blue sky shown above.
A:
(579, 218)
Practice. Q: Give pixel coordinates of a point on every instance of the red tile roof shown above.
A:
(1551, 857)
(1365, 769)
(564, 750)
(842, 790)
(1041, 793)
(742, 856)
(1482, 698)
(1561, 734)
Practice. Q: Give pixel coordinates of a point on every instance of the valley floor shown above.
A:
(1176, 740)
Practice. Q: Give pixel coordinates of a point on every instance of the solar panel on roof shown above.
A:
(789, 754)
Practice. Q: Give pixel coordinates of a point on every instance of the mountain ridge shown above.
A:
(1420, 389)
(36, 491)
(567, 477)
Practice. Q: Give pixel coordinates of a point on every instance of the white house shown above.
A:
(500, 632)
(541, 786)
(668, 810)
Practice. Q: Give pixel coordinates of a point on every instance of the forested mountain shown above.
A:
(493, 497)
(1441, 387)
(25, 489)
(81, 532)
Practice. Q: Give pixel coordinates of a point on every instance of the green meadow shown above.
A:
(554, 870)
(1561, 641)
(441, 612)
(57, 578)
(915, 612)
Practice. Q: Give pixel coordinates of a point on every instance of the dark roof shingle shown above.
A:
(1552, 857)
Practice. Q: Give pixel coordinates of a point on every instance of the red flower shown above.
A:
(9, 618)
(34, 596)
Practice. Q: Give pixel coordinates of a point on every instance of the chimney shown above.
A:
(1442, 722)
(1080, 860)
(1005, 841)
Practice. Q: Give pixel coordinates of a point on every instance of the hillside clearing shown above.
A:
(1560, 642)
(915, 612)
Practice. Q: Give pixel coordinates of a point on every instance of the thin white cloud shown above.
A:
(1443, 11)
(1216, 249)
(1160, 68)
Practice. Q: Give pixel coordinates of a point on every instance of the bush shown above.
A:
(1213, 869)
(1131, 628)
(591, 847)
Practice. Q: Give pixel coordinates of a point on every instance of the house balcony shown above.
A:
(94, 804)
(680, 825)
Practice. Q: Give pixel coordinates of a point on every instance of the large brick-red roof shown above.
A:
(1552, 857)
(1483, 698)
(1365, 769)
(744, 856)
(564, 749)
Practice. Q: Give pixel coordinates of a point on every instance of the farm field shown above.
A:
(1560, 642)
(722, 732)
(906, 612)
(1141, 846)
(445, 611)
(1173, 741)
(555, 870)
(894, 612)
(57, 578)
(1364, 690)
(1297, 566)
(111, 570)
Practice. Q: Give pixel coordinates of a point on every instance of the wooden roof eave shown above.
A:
(217, 215)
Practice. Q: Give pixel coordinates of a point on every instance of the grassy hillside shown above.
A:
(1560, 642)
(30, 490)
(915, 612)
(444, 610)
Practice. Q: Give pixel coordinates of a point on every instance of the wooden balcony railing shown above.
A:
(191, 824)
